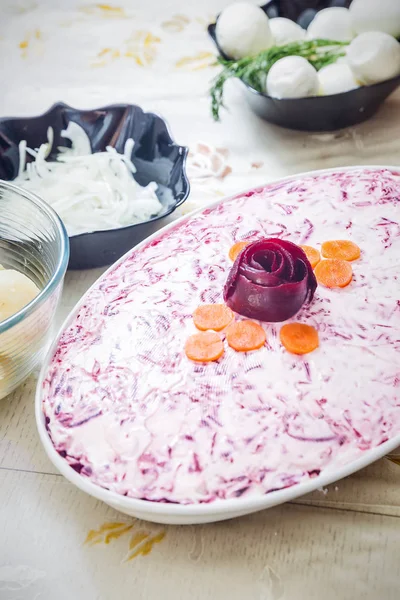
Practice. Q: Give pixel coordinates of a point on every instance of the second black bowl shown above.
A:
(155, 155)
(317, 113)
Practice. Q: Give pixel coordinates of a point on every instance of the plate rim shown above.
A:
(218, 509)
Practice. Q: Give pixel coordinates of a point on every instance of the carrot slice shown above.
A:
(299, 338)
(334, 272)
(342, 249)
(312, 254)
(236, 250)
(204, 347)
(244, 336)
(212, 316)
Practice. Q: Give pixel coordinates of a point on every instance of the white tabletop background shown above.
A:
(56, 543)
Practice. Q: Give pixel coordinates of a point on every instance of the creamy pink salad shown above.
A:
(126, 408)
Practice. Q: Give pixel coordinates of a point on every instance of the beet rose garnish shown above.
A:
(270, 281)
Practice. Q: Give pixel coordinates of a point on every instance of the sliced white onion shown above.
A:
(90, 192)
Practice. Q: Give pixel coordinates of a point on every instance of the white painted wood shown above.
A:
(291, 552)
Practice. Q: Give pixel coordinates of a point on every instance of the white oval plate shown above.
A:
(217, 510)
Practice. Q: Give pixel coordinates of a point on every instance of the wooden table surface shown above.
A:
(56, 543)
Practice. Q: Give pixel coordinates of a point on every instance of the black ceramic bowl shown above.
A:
(320, 113)
(155, 156)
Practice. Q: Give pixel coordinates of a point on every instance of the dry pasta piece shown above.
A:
(236, 250)
(312, 254)
(212, 316)
(333, 272)
(245, 336)
(204, 347)
(299, 338)
(342, 249)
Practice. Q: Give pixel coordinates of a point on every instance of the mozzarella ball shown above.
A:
(335, 79)
(292, 77)
(243, 30)
(374, 56)
(285, 31)
(16, 291)
(331, 24)
(376, 15)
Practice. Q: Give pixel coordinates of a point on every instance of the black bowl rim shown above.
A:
(288, 101)
(322, 98)
(184, 151)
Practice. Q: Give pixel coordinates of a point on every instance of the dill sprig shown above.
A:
(254, 69)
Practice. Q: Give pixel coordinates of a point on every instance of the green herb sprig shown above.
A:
(254, 69)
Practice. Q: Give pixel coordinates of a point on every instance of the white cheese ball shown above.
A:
(335, 79)
(331, 24)
(16, 291)
(374, 56)
(376, 15)
(243, 30)
(284, 31)
(292, 77)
